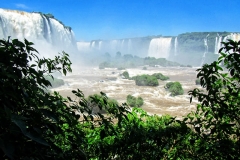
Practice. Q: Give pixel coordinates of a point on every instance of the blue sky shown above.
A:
(116, 19)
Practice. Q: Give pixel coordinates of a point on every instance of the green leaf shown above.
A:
(49, 114)
(7, 148)
(19, 121)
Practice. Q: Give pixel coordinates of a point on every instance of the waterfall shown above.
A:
(100, 45)
(83, 46)
(129, 48)
(114, 45)
(175, 46)
(206, 49)
(45, 32)
(47, 29)
(235, 36)
(159, 47)
(122, 45)
(218, 44)
(93, 44)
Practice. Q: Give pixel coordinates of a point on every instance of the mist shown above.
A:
(98, 64)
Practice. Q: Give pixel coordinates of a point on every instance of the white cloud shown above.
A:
(22, 6)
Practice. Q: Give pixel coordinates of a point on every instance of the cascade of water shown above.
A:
(35, 27)
(232, 36)
(93, 44)
(129, 46)
(175, 46)
(100, 45)
(235, 36)
(218, 44)
(159, 47)
(122, 44)
(83, 46)
(47, 29)
(206, 49)
(21, 25)
(114, 46)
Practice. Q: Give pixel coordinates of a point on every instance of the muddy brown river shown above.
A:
(157, 100)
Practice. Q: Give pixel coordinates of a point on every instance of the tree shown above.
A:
(34, 123)
(217, 119)
(118, 55)
(128, 57)
(104, 65)
(107, 56)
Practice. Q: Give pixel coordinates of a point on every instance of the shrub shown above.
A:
(125, 74)
(146, 80)
(175, 88)
(144, 68)
(139, 102)
(168, 85)
(134, 102)
(160, 76)
(94, 107)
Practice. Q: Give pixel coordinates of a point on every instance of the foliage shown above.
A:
(127, 57)
(125, 74)
(129, 61)
(138, 135)
(104, 65)
(134, 102)
(217, 119)
(118, 55)
(160, 76)
(144, 68)
(94, 107)
(145, 80)
(49, 15)
(152, 61)
(175, 88)
(33, 123)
